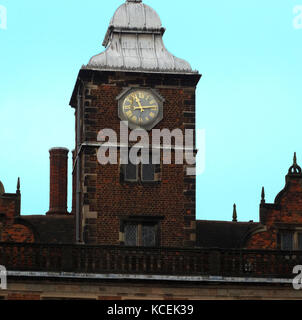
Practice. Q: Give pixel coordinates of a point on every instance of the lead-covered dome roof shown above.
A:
(137, 15)
(134, 42)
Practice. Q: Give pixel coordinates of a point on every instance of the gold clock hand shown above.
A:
(139, 104)
(148, 107)
(145, 107)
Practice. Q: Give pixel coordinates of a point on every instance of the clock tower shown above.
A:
(135, 80)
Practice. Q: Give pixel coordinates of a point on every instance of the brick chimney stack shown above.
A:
(58, 181)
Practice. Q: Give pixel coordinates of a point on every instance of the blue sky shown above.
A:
(248, 101)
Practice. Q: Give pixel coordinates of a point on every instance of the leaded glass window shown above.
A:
(140, 234)
(130, 235)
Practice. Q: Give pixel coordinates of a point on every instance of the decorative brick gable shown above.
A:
(284, 213)
(12, 228)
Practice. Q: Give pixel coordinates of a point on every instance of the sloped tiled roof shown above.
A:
(222, 234)
(53, 229)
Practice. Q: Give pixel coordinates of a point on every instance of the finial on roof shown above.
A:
(295, 159)
(235, 213)
(18, 185)
(134, 1)
(295, 169)
(263, 195)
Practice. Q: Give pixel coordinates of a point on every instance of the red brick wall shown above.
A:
(23, 296)
(173, 198)
(8, 207)
(115, 200)
(10, 229)
(17, 233)
(287, 210)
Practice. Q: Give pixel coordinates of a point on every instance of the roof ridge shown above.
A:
(231, 222)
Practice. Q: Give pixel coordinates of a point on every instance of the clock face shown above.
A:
(140, 107)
